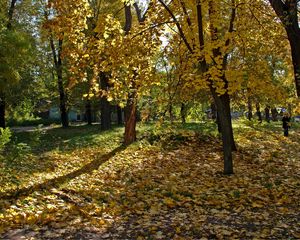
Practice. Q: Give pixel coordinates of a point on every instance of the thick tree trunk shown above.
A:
(274, 114)
(287, 11)
(295, 47)
(222, 102)
(183, 113)
(258, 112)
(130, 121)
(267, 113)
(105, 105)
(88, 112)
(250, 114)
(119, 115)
(2, 110)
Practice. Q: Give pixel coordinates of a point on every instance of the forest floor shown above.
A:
(80, 183)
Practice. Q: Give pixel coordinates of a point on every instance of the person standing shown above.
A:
(286, 123)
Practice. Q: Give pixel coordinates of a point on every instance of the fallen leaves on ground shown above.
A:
(146, 192)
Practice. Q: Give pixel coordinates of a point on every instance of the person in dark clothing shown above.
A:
(286, 124)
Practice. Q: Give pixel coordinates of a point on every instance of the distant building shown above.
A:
(73, 114)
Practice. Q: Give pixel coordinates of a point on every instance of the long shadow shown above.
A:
(13, 196)
(66, 139)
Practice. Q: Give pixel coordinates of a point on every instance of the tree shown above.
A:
(287, 12)
(58, 66)
(15, 46)
(211, 57)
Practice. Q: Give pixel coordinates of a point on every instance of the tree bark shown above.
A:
(183, 113)
(274, 114)
(61, 89)
(58, 68)
(250, 114)
(222, 103)
(171, 112)
(218, 121)
(258, 112)
(105, 105)
(288, 13)
(2, 110)
(267, 113)
(88, 112)
(213, 111)
(119, 115)
(130, 120)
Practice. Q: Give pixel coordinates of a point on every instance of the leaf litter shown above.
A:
(150, 192)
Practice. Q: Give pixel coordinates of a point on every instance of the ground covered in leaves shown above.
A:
(80, 183)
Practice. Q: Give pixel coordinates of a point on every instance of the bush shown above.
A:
(5, 135)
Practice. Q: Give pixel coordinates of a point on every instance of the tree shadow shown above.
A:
(13, 196)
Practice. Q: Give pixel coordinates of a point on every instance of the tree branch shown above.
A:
(181, 33)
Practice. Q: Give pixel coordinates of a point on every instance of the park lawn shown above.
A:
(80, 183)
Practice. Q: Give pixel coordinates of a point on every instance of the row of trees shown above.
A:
(154, 53)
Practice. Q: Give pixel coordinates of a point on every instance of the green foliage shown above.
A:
(18, 150)
(24, 111)
(5, 135)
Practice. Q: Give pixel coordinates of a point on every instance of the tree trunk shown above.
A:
(88, 112)
(119, 115)
(274, 114)
(267, 113)
(222, 102)
(62, 99)
(58, 68)
(295, 48)
(218, 121)
(171, 112)
(213, 111)
(258, 112)
(130, 120)
(105, 105)
(287, 11)
(2, 110)
(62, 94)
(290, 109)
(183, 113)
(250, 115)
